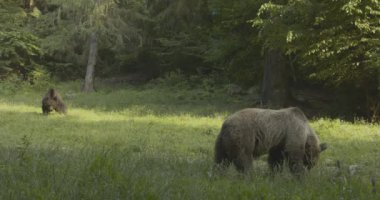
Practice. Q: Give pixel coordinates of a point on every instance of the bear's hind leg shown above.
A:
(221, 159)
(222, 163)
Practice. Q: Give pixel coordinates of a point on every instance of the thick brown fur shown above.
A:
(53, 101)
(283, 134)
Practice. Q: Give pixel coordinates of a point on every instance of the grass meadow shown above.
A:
(156, 142)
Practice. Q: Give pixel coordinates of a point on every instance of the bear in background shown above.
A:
(53, 101)
(283, 134)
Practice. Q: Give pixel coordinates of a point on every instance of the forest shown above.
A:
(322, 55)
(147, 85)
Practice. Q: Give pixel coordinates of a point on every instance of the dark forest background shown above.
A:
(321, 55)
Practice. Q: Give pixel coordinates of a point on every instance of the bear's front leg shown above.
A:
(276, 158)
(243, 162)
(45, 109)
(295, 159)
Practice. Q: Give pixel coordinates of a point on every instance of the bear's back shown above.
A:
(269, 126)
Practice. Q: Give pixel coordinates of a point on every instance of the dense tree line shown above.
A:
(281, 45)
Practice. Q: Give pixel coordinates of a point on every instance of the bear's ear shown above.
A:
(52, 93)
(323, 146)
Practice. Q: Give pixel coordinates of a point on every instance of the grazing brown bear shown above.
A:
(284, 134)
(53, 101)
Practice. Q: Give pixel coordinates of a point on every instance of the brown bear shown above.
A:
(53, 101)
(283, 134)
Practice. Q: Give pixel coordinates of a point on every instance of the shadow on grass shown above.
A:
(160, 101)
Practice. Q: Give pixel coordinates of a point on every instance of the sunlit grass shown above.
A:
(157, 143)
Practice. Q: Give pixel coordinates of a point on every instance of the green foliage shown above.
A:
(178, 34)
(14, 84)
(12, 16)
(350, 49)
(11, 84)
(20, 51)
(334, 41)
(19, 54)
(143, 143)
(207, 86)
(71, 23)
(234, 47)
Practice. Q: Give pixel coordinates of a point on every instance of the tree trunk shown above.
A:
(376, 106)
(58, 21)
(275, 85)
(89, 80)
(28, 4)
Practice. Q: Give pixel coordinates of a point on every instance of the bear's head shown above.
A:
(312, 150)
(52, 101)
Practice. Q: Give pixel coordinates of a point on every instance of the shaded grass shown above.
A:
(147, 143)
(141, 100)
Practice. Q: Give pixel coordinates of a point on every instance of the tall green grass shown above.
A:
(156, 142)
